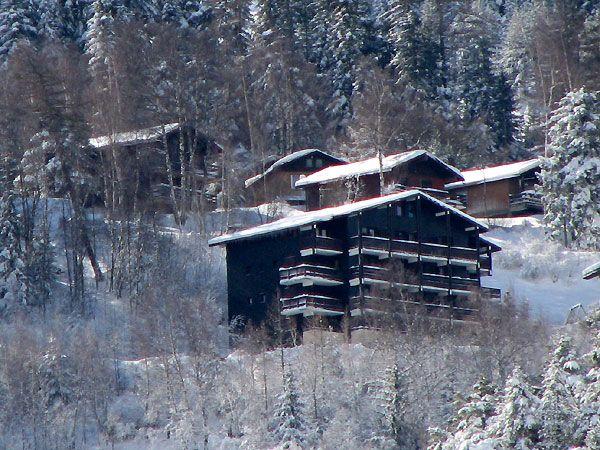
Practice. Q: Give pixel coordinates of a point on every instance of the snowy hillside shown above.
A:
(540, 272)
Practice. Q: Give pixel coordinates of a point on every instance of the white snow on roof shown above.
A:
(496, 173)
(286, 159)
(133, 137)
(591, 271)
(368, 167)
(327, 214)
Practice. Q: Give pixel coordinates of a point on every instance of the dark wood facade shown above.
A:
(506, 197)
(152, 157)
(398, 250)
(277, 183)
(422, 172)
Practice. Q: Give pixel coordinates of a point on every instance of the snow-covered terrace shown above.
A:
(286, 160)
(369, 167)
(495, 173)
(327, 214)
(133, 137)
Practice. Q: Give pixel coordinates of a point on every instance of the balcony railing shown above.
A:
(526, 200)
(372, 303)
(305, 271)
(397, 247)
(312, 304)
(321, 245)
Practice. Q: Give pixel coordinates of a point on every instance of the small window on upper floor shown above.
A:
(368, 232)
(321, 232)
(410, 210)
(319, 162)
(399, 211)
(309, 163)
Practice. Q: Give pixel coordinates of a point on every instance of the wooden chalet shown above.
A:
(362, 179)
(352, 261)
(500, 191)
(149, 155)
(278, 181)
(592, 271)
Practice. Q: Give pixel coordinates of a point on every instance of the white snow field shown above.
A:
(538, 271)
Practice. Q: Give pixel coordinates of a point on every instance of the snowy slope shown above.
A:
(542, 273)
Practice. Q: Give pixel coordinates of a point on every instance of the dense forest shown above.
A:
(111, 319)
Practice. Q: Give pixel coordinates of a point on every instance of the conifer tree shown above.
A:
(289, 426)
(393, 398)
(517, 425)
(589, 50)
(571, 172)
(16, 23)
(589, 398)
(558, 412)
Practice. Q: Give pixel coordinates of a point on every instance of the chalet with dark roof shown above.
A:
(278, 181)
(362, 179)
(339, 267)
(500, 191)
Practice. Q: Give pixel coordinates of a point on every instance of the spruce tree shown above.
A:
(517, 425)
(16, 23)
(289, 426)
(589, 49)
(393, 402)
(589, 398)
(558, 412)
(571, 172)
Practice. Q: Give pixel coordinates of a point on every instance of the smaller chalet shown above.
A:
(362, 179)
(592, 271)
(338, 267)
(279, 180)
(500, 191)
(149, 155)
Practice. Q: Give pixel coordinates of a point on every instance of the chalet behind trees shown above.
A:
(500, 191)
(362, 179)
(389, 253)
(278, 181)
(155, 165)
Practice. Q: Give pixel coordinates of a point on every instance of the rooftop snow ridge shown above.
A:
(495, 173)
(591, 271)
(287, 159)
(324, 215)
(133, 137)
(368, 167)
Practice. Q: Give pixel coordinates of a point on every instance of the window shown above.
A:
(321, 232)
(399, 211)
(309, 163)
(319, 162)
(410, 210)
(368, 232)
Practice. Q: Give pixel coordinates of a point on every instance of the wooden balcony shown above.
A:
(321, 245)
(309, 304)
(526, 201)
(411, 250)
(369, 304)
(308, 274)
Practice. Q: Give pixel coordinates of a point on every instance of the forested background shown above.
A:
(111, 320)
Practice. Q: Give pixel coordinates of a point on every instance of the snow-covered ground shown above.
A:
(538, 271)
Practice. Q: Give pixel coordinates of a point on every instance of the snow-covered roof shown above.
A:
(495, 173)
(133, 137)
(591, 271)
(327, 214)
(287, 159)
(368, 167)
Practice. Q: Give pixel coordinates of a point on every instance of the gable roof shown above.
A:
(288, 159)
(134, 137)
(327, 214)
(591, 271)
(371, 166)
(495, 173)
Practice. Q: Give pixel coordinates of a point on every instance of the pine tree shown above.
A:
(571, 172)
(16, 23)
(589, 50)
(39, 267)
(517, 425)
(100, 36)
(393, 399)
(558, 413)
(289, 425)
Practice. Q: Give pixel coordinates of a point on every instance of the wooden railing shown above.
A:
(323, 242)
(412, 247)
(309, 270)
(309, 300)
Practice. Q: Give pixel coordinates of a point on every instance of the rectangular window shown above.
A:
(319, 162)
(399, 211)
(410, 210)
(309, 163)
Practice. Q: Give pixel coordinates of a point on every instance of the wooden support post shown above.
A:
(478, 248)
(360, 264)
(449, 243)
(389, 230)
(419, 244)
